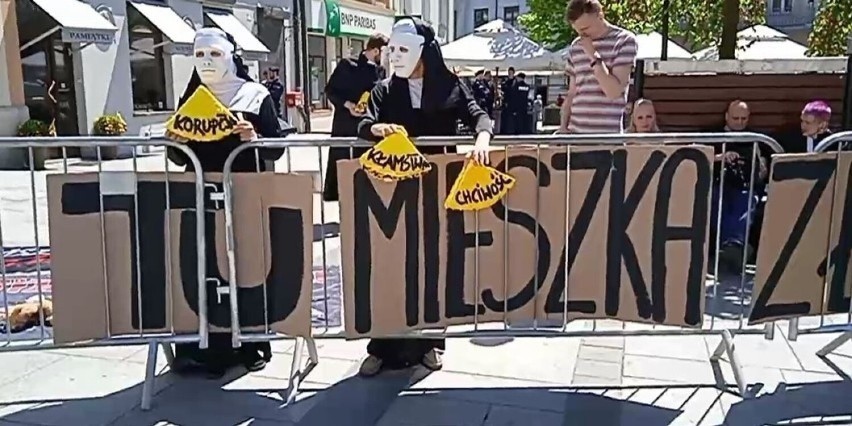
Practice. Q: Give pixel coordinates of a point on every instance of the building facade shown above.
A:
(792, 17)
(77, 60)
(340, 28)
(470, 14)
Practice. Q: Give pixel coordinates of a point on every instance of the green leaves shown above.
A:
(832, 27)
(698, 23)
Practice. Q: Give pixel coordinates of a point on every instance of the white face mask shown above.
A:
(213, 55)
(212, 65)
(404, 49)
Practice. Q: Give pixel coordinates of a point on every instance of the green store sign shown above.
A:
(342, 20)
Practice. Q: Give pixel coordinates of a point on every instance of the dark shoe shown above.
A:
(731, 258)
(371, 366)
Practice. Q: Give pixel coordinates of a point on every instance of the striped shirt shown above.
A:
(591, 110)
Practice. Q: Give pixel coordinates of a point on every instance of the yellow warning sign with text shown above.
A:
(478, 187)
(395, 158)
(202, 118)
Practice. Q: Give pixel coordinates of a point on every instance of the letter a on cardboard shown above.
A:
(490, 184)
(203, 107)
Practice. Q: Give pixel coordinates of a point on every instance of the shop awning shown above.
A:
(252, 47)
(78, 21)
(173, 27)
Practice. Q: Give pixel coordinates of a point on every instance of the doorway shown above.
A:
(48, 72)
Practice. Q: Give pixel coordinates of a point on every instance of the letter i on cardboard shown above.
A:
(202, 118)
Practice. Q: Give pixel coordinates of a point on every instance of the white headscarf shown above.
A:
(214, 62)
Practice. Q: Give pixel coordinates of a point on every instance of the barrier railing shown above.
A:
(828, 323)
(84, 195)
(727, 325)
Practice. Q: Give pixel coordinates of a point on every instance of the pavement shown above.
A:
(485, 381)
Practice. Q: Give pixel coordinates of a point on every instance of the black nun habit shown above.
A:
(443, 101)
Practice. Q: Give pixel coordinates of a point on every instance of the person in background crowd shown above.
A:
(220, 70)
(482, 92)
(263, 77)
(520, 104)
(815, 120)
(276, 89)
(507, 89)
(736, 158)
(426, 99)
(643, 117)
(492, 93)
(350, 79)
(599, 63)
(537, 108)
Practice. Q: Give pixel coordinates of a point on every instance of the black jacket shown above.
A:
(737, 173)
(350, 79)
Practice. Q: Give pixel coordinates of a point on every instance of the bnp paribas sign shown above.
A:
(343, 20)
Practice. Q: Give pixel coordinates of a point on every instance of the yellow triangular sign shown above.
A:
(202, 118)
(395, 158)
(478, 187)
(361, 106)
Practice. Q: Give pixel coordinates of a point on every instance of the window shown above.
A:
(147, 65)
(443, 18)
(779, 6)
(480, 17)
(510, 15)
(355, 46)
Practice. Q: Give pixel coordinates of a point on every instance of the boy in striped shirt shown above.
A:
(599, 63)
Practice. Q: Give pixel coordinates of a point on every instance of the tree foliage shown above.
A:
(698, 22)
(832, 27)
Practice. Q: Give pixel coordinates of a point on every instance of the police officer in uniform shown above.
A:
(276, 89)
(507, 119)
(520, 105)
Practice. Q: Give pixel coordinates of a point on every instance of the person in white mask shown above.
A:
(219, 68)
(425, 99)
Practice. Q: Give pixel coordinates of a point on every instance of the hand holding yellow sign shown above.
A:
(478, 187)
(395, 158)
(361, 106)
(202, 118)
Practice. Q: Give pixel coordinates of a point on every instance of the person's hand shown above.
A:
(175, 137)
(480, 148)
(588, 46)
(384, 129)
(353, 109)
(561, 131)
(244, 129)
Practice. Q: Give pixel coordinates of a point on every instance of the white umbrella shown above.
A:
(759, 42)
(496, 44)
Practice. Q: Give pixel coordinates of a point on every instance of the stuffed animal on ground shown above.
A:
(24, 316)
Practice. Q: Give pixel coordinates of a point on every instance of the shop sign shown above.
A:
(74, 35)
(343, 20)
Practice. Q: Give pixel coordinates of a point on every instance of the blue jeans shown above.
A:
(735, 213)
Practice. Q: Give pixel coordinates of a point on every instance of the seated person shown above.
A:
(736, 158)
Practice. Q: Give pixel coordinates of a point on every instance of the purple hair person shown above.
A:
(815, 118)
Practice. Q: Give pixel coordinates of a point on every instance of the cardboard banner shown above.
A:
(273, 229)
(803, 264)
(637, 230)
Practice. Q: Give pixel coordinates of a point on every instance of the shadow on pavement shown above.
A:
(396, 399)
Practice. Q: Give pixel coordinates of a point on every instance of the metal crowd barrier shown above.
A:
(835, 322)
(725, 329)
(37, 180)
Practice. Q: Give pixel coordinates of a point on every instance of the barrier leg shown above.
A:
(793, 329)
(297, 375)
(834, 344)
(727, 346)
(168, 353)
(150, 376)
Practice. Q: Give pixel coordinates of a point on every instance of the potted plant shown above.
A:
(109, 125)
(36, 128)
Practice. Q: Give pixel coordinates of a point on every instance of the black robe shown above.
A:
(390, 102)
